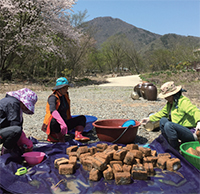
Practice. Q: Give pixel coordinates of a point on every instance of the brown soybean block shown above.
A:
(101, 147)
(99, 163)
(161, 162)
(109, 153)
(66, 169)
(82, 150)
(124, 148)
(138, 166)
(60, 162)
(164, 155)
(87, 164)
(137, 154)
(113, 147)
(116, 162)
(119, 154)
(173, 164)
(120, 147)
(89, 158)
(122, 178)
(149, 168)
(198, 150)
(57, 160)
(109, 150)
(108, 173)
(150, 159)
(127, 168)
(117, 168)
(145, 151)
(71, 149)
(139, 172)
(192, 151)
(72, 154)
(146, 160)
(107, 157)
(132, 146)
(92, 150)
(82, 156)
(137, 161)
(73, 160)
(129, 158)
(95, 175)
(153, 152)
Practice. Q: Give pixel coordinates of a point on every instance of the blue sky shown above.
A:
(181, 17)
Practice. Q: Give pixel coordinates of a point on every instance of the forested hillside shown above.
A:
(38, 45)
(105, 27)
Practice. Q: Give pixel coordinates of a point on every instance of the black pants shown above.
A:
(71, 123)
(9, 136)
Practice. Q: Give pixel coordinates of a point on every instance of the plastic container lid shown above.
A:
(128, 123)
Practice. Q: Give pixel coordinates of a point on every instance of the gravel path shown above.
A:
(102, 102)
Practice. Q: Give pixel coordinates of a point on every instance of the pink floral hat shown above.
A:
(27, 97)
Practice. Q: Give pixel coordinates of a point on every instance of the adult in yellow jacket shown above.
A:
(58, 118)
(177, 117)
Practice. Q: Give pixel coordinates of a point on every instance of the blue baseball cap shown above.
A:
(60, 83)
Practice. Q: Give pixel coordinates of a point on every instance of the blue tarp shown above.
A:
(44, 177)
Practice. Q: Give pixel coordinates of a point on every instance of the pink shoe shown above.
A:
(78, 134)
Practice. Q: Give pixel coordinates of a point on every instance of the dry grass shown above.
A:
(189, 81)
(6, 87)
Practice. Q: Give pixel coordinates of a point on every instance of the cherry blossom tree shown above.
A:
(26, 24)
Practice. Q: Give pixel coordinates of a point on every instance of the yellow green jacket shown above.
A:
(186, 114)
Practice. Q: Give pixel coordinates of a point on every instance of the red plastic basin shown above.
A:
(110, 129)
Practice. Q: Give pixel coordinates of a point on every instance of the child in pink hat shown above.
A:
(12, 108)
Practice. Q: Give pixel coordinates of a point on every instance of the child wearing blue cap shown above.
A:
(58, 118)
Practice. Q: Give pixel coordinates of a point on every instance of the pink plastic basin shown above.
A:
(33, 158)
(110, 129)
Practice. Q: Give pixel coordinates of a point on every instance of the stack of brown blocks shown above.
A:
(193, 151)
(116, 162)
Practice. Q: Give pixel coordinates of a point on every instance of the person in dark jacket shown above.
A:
(58, 118)
(12, 108)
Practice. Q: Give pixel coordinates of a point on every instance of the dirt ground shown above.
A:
(189, 81)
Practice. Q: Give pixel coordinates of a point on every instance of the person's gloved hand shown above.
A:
(63, 126)
(25, 143)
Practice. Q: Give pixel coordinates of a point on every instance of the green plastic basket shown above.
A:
(194, 160)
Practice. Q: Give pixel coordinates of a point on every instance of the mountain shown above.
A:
(104, 27)
(170, 41)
